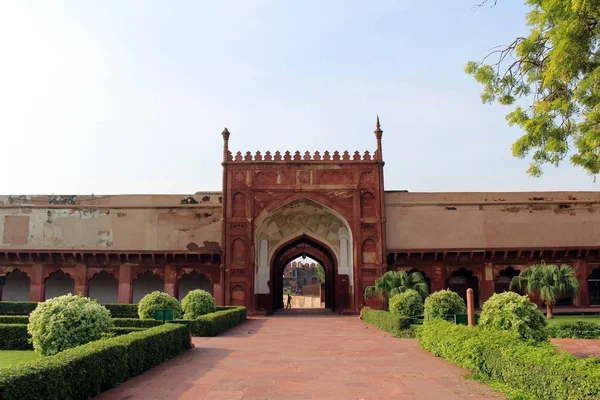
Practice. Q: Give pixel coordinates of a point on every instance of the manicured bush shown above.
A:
(196, 303)
(407, 304)
(511, 312)
(65, 322)
(533, 370)
(85, 371)
(218, 322)
(14, 319)
(392, 323)
(158, 301)
(135, 323)
(444, 303)
(120, 330)
(14, 337)
(17, 307)
(575, 330)
(122, 310)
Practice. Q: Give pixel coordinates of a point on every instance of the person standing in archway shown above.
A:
(289, 301)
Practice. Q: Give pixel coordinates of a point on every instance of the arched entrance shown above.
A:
(303, 245)
(303, 226)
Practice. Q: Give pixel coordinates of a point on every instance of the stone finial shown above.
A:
(277, 155)
(248, 156)
(268, 156)
(326, 155)
(367, 155)
(317, 156)
(336, 155)
(378, 133)
(297, 156)
(258, 156)
(238, 156)
(225, 134)
(356, 156)
(287, 156)
(306, 155)
(346, 156)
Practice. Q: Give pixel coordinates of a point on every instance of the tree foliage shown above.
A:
(547, 282)
(67, 321)
(407, 304)
(158, 301)
(511, 312)
(555, 72)
(321, 272)
(394, 282)
(196, 303)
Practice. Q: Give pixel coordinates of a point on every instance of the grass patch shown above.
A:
(11, 357)
(563, 319)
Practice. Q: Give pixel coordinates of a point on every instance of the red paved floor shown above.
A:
(579, 347)
(299, 357)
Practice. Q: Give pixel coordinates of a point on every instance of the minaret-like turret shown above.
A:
(378, 133)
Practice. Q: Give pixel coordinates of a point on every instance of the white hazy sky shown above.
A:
(131, 96)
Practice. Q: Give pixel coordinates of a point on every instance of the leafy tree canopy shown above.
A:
(321, 272)
(555, 71)
(394, 282)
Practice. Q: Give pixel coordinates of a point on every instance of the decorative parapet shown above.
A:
(298, 157)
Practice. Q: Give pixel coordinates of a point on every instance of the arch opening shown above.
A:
(505, 276)
(303, 282)
(192, 281)
(17, 287)
(104, 287)
(146, 283)
(594, 287)
(58, 284)
(461, 280)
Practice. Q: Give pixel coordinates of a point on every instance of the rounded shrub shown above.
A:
(444, 303)
(407, 304)
(158, 301)
(67, 321)
(196, 303)
(513, 313)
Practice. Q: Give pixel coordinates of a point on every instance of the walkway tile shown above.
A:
(303, 357)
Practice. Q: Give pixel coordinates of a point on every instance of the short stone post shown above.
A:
(470, 307)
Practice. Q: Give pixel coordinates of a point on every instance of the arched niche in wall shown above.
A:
(58, 284)
(367, 205)
(238, 251)
(104, 287)
(192, 281)
(17, 286)
(146, 283)
(593, 282)
(425, 277)
(238, 296)
(461, 280)
(369, 252)
(502, 282)
(238, 205)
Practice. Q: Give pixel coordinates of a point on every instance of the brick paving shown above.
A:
(579, 347)
(294, 356)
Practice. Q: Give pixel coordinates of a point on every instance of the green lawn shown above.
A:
(10, 357)
(561, 319)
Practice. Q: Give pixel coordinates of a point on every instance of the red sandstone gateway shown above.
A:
(276, 206)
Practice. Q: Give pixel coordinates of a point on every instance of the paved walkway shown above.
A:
(303, 357)
(579, 347)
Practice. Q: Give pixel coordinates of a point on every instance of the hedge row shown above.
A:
(576, 329)
(26, 307)
(85, 371)
(528, 370)
(14, 319)
(214, 323)
(118, 330)
(14, 337)
(122, 310)
(135, 323)
(392, 323)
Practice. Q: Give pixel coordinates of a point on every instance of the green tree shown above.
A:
(555, 72)
(395, 282)
(321, 272)
(547, 282)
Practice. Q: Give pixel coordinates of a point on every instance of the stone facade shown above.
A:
(277, 206)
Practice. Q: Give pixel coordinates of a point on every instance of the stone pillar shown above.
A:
(583, 300)
(125, 285)
(470, 307)
(486, 284)
(37, 283)
(438, 278)
(171, 280)
(81, 281)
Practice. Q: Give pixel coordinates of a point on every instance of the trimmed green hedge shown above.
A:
(575, 329)
(85, 371)
(14, 319)
(122, 310)
(26, 307)
(17, 307)
(135, 323)
(524, 368)
(14, 337)
(123, 330)
(218, 322)
(392, 323)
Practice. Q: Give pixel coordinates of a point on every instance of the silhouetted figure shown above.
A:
(289, 301)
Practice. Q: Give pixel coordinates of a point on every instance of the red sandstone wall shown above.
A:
(492, 220)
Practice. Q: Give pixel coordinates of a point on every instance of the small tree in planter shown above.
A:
(444, 303)
(158, 301)
(196, 303)
(407, 304)
(67, 321)
(513, 313)
(547, 282)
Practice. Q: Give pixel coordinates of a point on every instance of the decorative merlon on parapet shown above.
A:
(298, 157)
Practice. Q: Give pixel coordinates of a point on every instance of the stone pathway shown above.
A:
(579, 347)
(293, 356)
